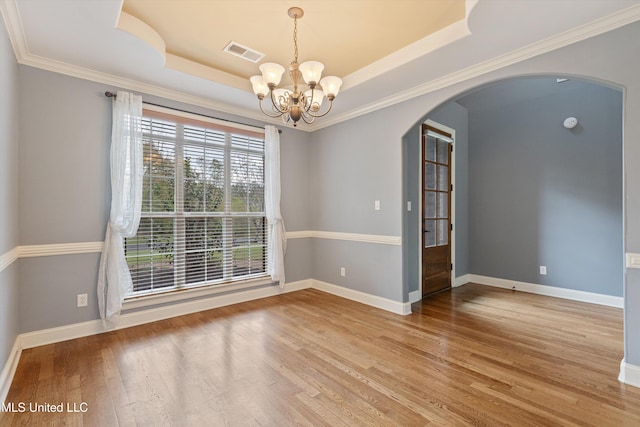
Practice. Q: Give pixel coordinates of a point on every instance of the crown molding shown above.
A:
(141, 87)
(443, 37)
(439, 39)
(15, 30)
(13, 22)
(586, 31)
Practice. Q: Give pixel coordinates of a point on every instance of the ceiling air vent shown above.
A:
(244, 52)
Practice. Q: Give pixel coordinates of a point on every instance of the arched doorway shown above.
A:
(538, 206)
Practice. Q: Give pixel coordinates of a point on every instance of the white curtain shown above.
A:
(127, 170)
(275, 225)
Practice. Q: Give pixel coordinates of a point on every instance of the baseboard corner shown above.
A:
(414, 296)
(461, 280)
(9, 370)
(629, 374)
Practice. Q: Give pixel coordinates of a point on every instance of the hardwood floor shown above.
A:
(472, 356)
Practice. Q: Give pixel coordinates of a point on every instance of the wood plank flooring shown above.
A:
(472, 356)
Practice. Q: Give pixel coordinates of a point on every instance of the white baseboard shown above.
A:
(551, 291)
(629, 374)
(415, 296)
(461, 280)
(364, 298)
(78, 330)
(93, 327)
(6, 376)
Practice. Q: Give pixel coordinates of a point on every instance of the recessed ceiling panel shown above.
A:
(345, 35)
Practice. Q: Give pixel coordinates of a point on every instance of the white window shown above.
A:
(203, 217)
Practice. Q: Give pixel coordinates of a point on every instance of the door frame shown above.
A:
(452, 132)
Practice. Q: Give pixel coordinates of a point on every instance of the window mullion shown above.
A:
(180, 226)
(227, 221)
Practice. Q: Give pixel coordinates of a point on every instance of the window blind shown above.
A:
(203, 216)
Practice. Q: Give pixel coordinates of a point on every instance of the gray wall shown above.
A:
(454, 116)
(411, 226)
(8, 194)
(365, 155)
(65, 192)
(351, 164)
(541, 194)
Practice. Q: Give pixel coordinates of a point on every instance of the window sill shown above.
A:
(175, 295)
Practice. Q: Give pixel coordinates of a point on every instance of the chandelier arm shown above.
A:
(269, 115)
(275, 106)
(304, 118)
(308, 108)
(325, 113)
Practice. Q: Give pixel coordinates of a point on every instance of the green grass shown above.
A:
(243, 253)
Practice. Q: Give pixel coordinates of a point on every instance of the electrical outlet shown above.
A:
(409, 206)
(343, 271)
(376, 205)
(543, 270)
(82, 300)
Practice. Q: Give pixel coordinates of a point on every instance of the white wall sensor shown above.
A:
(570, 122)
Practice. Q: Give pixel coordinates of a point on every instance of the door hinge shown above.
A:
(451, 187)
(451, 227)
(452, 267)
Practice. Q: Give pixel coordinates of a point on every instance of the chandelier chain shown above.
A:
(295, 39)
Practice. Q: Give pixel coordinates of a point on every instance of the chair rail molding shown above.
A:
(8, 258)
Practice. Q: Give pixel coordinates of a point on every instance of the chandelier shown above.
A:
(293, 105)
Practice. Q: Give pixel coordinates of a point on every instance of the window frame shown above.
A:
(180, 289)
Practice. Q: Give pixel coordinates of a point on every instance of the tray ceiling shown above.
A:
(344, 35)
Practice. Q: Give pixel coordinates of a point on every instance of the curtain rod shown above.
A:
(113, 95)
